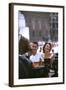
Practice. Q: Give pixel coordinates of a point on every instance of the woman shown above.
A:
(48, 57)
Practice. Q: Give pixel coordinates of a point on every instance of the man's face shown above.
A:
(34, 49)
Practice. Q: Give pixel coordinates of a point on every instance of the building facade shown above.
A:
(42, 26)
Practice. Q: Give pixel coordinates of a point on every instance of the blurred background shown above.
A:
(39, 27)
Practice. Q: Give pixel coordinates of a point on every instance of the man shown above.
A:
(35, 57)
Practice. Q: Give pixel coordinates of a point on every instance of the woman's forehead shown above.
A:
(47, 44)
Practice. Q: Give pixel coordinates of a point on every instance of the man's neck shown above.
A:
(34, 54)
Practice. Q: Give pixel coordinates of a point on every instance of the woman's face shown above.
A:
(47, 48)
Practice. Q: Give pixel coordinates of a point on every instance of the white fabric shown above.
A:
(36, 58)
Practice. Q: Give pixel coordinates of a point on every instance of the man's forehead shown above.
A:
(33, 46)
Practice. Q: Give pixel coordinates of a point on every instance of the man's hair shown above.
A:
(23, 45)
(35, 43)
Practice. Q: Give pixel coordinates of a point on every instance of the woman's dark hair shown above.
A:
(45, 45)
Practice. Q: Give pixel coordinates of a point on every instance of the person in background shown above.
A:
(35, 57)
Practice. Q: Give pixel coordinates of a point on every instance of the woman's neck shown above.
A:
(47, 55)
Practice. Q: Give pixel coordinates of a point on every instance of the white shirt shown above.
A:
(36, 58)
